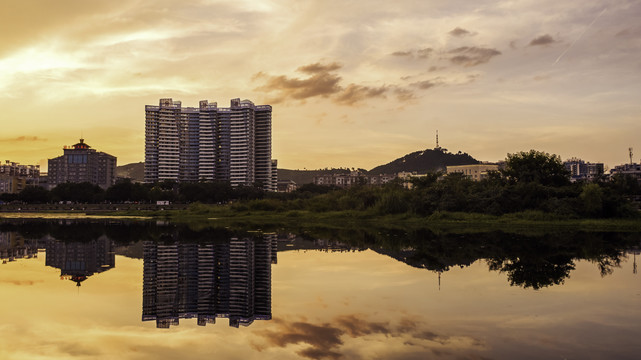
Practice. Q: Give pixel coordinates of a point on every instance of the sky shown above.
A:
(352, 83)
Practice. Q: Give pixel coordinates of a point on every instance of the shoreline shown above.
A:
(528, 221)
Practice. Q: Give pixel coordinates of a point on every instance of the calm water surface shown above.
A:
(110, 290)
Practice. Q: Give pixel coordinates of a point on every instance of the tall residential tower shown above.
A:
(209, 143)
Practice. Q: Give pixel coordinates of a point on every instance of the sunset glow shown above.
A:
(353, 84)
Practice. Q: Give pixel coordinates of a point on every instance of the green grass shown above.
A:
(238, 216)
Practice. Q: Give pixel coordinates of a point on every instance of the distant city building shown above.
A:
(633, 170)
(287, 186)
(475, 172)
(206, 281)
(210, 143)
(581, 170)
(80, 163)
(15, 177)
(408, 177)
(346, 180)
(13, 246)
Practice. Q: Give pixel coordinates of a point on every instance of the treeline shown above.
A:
(530, 181)
(127, 191)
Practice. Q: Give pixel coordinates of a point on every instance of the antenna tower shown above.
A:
(438, 147)
(630, 150)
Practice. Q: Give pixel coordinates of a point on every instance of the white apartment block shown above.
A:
(209, 143)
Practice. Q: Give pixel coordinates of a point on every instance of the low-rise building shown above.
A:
(581, 170)
(346, 180)
(475, 172)
(633, 170)
(15, 177)
(287, 186)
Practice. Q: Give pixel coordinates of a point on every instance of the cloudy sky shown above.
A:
(352, 83)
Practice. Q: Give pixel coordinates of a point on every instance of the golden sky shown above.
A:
(352, 83)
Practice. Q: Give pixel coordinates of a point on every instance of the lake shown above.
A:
(114, 289)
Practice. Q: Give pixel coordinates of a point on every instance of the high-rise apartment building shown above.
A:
(81, 163)
(209, 143)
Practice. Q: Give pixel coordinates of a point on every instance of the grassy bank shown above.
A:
(526, 221)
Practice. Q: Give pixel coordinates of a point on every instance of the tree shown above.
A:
(536, 166)
(34, 194)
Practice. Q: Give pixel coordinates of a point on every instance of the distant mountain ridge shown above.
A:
(133, 171)
(422, 161)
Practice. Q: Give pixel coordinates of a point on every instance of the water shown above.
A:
(109, 289)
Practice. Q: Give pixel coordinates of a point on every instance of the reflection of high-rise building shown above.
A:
(13, 246)
(208, 281)
(79, 260)
(210, 143)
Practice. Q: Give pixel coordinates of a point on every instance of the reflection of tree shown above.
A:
(534, 273)
(529, 261)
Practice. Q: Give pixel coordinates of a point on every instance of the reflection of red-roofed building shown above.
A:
(81, 163)
(79, 260)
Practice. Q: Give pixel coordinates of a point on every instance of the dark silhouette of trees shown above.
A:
(536, 166)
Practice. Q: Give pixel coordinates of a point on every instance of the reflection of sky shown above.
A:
(330, 305)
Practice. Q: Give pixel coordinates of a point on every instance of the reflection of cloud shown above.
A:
(472, 56)
(321, 338)
(325, 340)
(542, 40)
(23, 138)
(21, 282)
(356, 326)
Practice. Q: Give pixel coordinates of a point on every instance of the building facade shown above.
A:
(209, 143)
(80, 163)
(632, 169)
(15, 177)
(581, 170)
(475, 172)
(353, 178)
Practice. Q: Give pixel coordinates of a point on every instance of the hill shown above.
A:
(419, 161)
(425, 161)
(134, 171)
